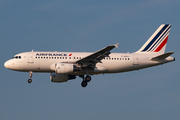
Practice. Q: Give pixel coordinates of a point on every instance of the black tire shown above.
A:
(84, 84)
(29, 81)
(88, 78)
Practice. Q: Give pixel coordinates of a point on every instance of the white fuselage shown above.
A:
(116, 62)
(64, 66)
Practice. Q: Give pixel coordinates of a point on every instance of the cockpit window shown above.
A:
(16, 57)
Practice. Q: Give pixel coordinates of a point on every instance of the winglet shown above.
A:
(116, 45)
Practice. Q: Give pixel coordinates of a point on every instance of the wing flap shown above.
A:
(162, 57)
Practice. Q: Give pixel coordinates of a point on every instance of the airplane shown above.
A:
(64, 66)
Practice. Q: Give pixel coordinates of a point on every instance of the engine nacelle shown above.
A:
(61, 78)
(64, 68)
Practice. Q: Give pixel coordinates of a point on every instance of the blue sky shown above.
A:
(87, 26)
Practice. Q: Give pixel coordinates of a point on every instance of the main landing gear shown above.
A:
(30, 76)
(85, 80)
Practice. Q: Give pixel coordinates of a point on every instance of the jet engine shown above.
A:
(64, 68)
(61, 78)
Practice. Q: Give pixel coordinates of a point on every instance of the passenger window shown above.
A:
(69, 57)
(19, 57)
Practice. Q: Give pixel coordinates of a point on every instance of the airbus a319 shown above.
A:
(64, 66)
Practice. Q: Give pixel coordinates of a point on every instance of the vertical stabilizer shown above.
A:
(157, 42)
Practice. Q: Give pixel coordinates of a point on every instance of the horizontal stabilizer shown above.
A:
(162, 57)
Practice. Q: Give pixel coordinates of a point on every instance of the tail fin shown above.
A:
(157, 42)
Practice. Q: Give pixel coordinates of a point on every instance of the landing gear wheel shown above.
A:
(29, 80)
(30, 76)
(88, 78)
(84, 84)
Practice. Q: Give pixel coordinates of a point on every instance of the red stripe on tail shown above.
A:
(162, 45)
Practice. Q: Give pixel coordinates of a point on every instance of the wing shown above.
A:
(96, 57)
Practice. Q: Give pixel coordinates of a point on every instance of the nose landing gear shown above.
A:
(30, 76)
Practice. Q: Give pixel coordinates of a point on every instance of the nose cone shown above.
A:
(12, 65)
(7, 64)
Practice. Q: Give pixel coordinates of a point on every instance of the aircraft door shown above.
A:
(30, 57)
(135, 60)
